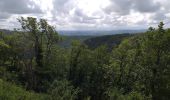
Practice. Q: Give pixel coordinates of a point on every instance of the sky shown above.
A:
(87, 14)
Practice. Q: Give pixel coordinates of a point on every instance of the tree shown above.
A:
(101, 73)
(156, 54)
(42, 36)
(63, 90)
(141, 64)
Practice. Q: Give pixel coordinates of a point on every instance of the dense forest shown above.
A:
(110, 41)
(34, 67)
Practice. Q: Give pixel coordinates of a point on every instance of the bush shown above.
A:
(115, 94)
(63, 90)
(10, 91)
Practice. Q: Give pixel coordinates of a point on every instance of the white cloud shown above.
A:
(87, 14)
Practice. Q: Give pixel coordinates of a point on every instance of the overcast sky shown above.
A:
(87, 14)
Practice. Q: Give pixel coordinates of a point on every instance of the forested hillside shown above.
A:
(67, 40)
(108, 40)
(34, 67)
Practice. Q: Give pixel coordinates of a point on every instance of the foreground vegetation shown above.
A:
(137, 69)
(10, 91)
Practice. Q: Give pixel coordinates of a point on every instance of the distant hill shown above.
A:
(95, 41)
(98, 32)
(109, 40)
(67, 40)
(6, 31)
(92, 39)
(96, 38)
(79, 33)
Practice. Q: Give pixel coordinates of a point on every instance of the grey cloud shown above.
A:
(18, 7)
(62, 7)
(59, 3)
(4, 16)
(81, 17)
(160, 16)
(146, 6)
(14, 8)
(119, 6)
(67, 13)
(79, 13)
(123, 7)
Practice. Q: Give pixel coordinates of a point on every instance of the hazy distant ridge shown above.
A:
(98, 33)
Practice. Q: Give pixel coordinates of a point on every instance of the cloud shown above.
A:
(119, 6)
(159, 16)
(87, 14)
(11, 9)
(4, 15)
(18, 7)
(146, 6)
(124, 7)
(118, 13)
(62, 7)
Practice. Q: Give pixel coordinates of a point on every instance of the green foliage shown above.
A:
(110, 41)
(89, 70)
(2, 44)
(41, 38)
(115, 94)
(141, 64)
(63, 90)
(156, 62)
(136, 69)
(9, 91)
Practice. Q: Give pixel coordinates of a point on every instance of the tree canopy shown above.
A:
(31, 60)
